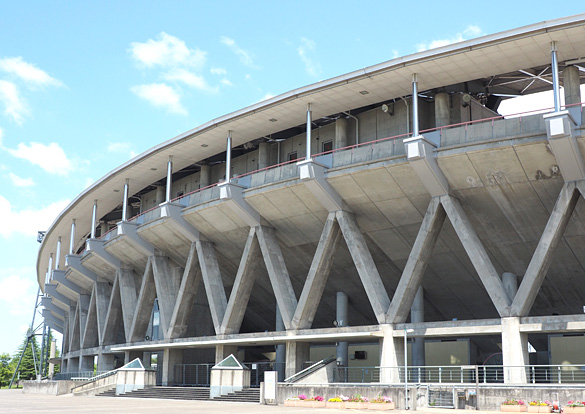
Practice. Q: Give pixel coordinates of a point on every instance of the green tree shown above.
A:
(6, 370)
(27, 366)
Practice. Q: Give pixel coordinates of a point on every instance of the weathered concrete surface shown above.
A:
(44, 388)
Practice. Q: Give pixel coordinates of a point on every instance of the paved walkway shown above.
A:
(15, 401)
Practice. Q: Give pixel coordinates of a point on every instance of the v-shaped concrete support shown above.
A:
(278, 274)
(114, 320)
(75, 338)
(543, 255)
(144, 304)
(243, 284)
(417, 262)
(186, 295)
(83, 306)
(90, 332)
(103, 291)
(318, 274)
(167, 283)
(213, 282)
(364, 264)
(477, 254)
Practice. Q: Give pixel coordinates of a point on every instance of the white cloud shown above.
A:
(226, 82)
(245, 57)
(28, 72)
(21, 182)
(218, 71)
(13, 104)
(167, 51)
(1, 136)
(50, 158)
(28, 221)
(18, 291)
(189, 79)
(470, 32)
(307, 46)
(160, 95)
(268, 96)
(118, 147)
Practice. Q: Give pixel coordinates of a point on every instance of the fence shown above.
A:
(198, 375)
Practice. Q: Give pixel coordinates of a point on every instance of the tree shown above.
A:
(27, 365)
(6, 369)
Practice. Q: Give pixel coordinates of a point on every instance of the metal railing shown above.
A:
(78, 376)
(467, 374)
(192, 375)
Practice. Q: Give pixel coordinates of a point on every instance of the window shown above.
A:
(327, 146)
(292, 156)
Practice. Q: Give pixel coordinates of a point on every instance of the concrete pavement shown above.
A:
(15, 401)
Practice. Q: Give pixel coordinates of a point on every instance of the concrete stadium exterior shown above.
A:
(352, 218)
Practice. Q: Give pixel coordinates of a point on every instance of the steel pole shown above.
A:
(405, 369)
(228, 158)
(555, 75)
(93, 219)
(72, 237)
(309, 121)
(125, 202)
(415, 105)
(169, 177)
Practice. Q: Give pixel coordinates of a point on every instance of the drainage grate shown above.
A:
(441, 397)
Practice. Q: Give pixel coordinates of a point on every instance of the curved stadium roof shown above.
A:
(484, 58)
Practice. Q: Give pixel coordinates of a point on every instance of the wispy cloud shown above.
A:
(28, 221)
(226, 82)
(245, 57)
(190, 79)
(218, 71)
(17, 290)
(167, 51)
(51, 158)
(470, 32)
(160, 95)
(307, 48)
(27, 72)
(14, 106)
(20, 182)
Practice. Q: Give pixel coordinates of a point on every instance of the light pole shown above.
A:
(406, 332)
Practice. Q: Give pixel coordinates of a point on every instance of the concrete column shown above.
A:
(514, 351)
(64, 362)
(572, 89)
(340, 133)
(391, 356)
(52, 354)
(223, 351)
(105, 362)
(146, 357)
(104, 227)
(130, 356)
(296, 354)
(160, 195)
(86, 363)
(280, 359)
(73, 364)
(204, 176)
(263, 155)
(441, 109)
(417, 315)
(341, 318)
(510, 283)
(170, 358)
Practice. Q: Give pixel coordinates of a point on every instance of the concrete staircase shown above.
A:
(251, 395)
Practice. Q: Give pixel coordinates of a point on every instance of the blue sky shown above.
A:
(85, 86)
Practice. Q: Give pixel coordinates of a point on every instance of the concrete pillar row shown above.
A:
(280, 359)
(572, 88)
(442, 112)
(160, 194)
(204, 176)
(417, 315)
(223, 351)
(391, 356)
(342, 349)
(170, 358)
(105, 362)
(510, 282)
(296, 354)
(514, 351)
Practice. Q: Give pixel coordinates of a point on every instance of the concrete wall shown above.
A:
(48, 387)
(567, 350)
(445, 353)
(372, 352)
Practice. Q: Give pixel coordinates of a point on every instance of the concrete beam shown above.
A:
(75, 338)
(96, 247)
(176, 220)
(560, 130)
(278, 274)
(186, 296)
(90, 332)
(167, 285)
(233, 195)
(51, 290)
(213, 282)
(543, 255)
(312, 174)
(477, 254)
(416, 265)
(59, 277)
(128, 229)
(83, 307)
(144, 304)
(421, 156)
(514, 351)
(391, 356)
(113, 315)
(364, 264)
(52, 321)
(553, 324)
(74, 262)
(50, 306)
(318, 274)
(243, 284)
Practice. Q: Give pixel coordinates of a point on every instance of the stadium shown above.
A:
(390, 217)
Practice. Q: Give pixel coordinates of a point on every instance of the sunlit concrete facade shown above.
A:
(433, 217)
